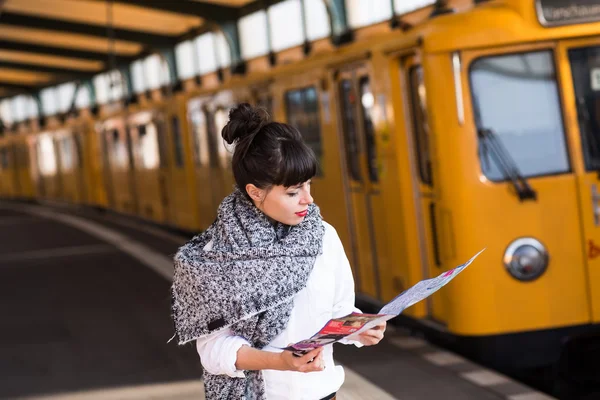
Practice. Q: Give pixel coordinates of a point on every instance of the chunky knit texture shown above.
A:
(247, 282)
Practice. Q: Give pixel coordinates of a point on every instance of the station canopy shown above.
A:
(49, 47)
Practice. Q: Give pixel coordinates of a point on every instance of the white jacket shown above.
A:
(329, 293)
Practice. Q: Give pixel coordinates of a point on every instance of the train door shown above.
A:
(81, 167)
(165, 170)
(219, 112)
(17, 165)
(147, 134)
(181, 181)
(105, 149)
(582, 99)
(425, 193)
(205, 162)
(131, 203)
(362, 178)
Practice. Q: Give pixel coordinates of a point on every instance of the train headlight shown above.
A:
(526, 259)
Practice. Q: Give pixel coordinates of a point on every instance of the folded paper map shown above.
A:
(353, 324)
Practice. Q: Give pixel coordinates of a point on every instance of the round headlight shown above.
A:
(526, 259)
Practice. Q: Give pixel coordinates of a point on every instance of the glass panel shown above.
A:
(49, 103)
(137, 76)
(101, 86)
(266, 102)
(302, 107)
(83, 99)
(184, 53)
(177, 142)
(205, 53)
(161, 141)
(199, 136)
(213, 142)
(367, 102)
(148, 145)
(285, 20)
(348, 103)
(254, 40)
(317, 20)
(78, 150)
(516, 96)
(225, 149)
(66, 154)
(152, 71)
(46, 156)
(4, 158)
(222, 50)
(66, 92)
(367, 12)
(405, 6)
(585, 67)
(420, 125)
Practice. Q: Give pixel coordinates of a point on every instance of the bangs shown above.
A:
(298, 164)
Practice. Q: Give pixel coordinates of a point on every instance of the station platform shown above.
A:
(85, 306)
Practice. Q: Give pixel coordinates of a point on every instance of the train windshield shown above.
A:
(516, 97)
(585, 67)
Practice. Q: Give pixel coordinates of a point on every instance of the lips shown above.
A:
(302, 213)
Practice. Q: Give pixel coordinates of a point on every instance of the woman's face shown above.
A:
(287, 205)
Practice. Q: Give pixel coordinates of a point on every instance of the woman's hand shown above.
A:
(310, 362)
(372, 336)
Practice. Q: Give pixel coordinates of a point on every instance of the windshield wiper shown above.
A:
(490, 142)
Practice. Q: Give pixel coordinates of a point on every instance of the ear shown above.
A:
(255, 193)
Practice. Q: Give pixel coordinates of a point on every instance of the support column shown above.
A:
(169, 55)
(126, 74)
(232, 35)
(338, 20)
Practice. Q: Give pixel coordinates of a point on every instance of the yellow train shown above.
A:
(468, 129)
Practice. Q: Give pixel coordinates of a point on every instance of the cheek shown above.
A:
(286, 205)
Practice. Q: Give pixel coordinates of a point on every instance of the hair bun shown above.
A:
(244, 121)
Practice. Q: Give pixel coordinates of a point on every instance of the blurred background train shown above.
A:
(450, 132)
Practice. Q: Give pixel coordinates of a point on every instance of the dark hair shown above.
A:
(266, 153)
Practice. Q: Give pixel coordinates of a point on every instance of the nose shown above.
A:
(307, 198)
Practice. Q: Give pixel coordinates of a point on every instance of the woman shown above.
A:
(267, 273)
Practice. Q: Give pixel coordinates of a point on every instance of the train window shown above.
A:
(213, 143)
(15, 150)
(177, 142)
(66, 153)
(148, 142)
(225, 150)
(302, 107)
(201, 153)
(367, 102)
(78, 150)
(585, 67)
(516, 98)
(4, 158)
(420, 126)
(348, 102)
(266, 102)
(160, 140)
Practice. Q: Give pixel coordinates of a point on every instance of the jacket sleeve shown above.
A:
(344, 296)
(218, 353)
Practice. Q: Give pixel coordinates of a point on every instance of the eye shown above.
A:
(292, 194)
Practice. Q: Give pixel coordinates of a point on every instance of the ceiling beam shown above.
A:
(63, 52)
(69, 72)
(17, 87)
(208, 11)
(30, 21)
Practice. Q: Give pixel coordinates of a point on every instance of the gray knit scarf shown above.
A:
(246, 282)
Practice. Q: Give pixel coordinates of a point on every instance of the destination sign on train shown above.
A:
(561, 12)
